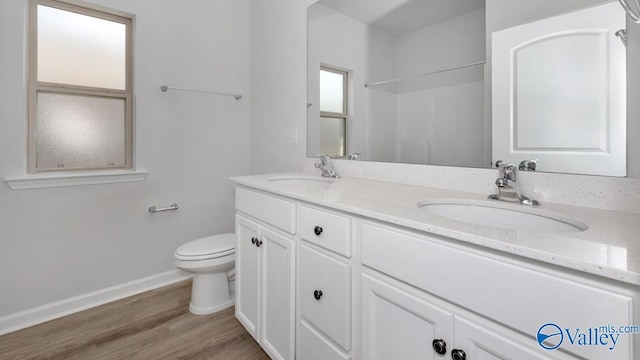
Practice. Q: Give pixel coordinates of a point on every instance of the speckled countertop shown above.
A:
(610, 247)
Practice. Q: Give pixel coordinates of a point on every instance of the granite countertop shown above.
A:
(610, 247)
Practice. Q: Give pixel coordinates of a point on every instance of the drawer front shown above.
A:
(517, 296)
(313, 346)
(272, 210)
(330, 310)
(325, 229)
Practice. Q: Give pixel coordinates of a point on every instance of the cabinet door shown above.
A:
(400, 325)
(278, 289)
(478, 342)
(247, 276)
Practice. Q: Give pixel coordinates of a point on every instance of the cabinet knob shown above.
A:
(317, 294)
(258, 242)
(317, 230)
(457, 354)
(254, 240)
(439, 346)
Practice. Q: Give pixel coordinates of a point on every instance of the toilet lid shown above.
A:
(208, 247)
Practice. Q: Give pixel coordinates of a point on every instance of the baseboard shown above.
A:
(30, 317)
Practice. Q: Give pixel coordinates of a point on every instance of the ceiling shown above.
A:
(399, 17)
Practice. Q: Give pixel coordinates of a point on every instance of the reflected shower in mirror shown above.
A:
(420, 85)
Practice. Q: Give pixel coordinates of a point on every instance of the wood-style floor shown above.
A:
(153, 325)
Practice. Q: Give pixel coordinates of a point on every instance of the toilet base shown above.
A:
(210, 293)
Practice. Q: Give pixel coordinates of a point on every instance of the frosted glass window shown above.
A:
(78, 131)
(332, 91)
(333, 136)
(80, 98)
(72, 46)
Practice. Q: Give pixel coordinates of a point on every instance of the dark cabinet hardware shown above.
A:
(457, 354)
(439, 346)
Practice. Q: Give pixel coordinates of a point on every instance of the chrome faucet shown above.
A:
(325, 165)
(508, 188)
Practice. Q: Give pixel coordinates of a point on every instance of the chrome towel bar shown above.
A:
(154, 209)
(165, 88)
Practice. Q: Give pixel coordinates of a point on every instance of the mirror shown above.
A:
(417, 85)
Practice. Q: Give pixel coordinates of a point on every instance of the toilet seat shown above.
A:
(206, 248)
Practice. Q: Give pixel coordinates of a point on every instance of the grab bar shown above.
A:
(154, 209)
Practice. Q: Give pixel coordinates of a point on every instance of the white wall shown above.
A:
(343, 43)
(442, 125)
(278, 84)
(380, 117)
(633, 94)
(455, 42)
(62, 242)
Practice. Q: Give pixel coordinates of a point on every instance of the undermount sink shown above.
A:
(307, 181)
(502, 216)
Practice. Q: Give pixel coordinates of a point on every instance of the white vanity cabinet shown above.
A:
(402, 323)
(513, 299)
(324, 284)
(265, 273)
(318, 283)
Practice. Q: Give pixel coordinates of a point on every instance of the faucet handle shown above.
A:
(500, 164)
(324, 158)
(506, 171)
(528, 165)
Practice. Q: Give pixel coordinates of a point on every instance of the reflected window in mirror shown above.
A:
(334, 110)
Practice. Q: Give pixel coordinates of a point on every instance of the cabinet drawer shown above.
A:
(328, 230)
(272, 210)
(516, 295)
(313, 346)
(330, 310)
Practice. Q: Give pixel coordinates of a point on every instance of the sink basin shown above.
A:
(300, 179)
(307, 182)
(502, 216)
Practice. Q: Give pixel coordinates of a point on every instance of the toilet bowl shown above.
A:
(209, 259)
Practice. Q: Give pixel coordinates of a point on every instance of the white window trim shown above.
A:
(54, 179)
(59, 180)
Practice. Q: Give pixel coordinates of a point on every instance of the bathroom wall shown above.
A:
(344, 44)
(443, 123)
(382, 106)
(60, 243)
(278, 84)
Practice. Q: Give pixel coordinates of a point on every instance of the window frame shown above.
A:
(345, 103)
(35, 86)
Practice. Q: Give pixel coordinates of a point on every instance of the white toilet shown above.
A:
(209, 259)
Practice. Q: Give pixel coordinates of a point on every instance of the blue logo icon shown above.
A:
(548, 335)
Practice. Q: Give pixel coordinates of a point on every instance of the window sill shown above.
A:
(58, 180)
